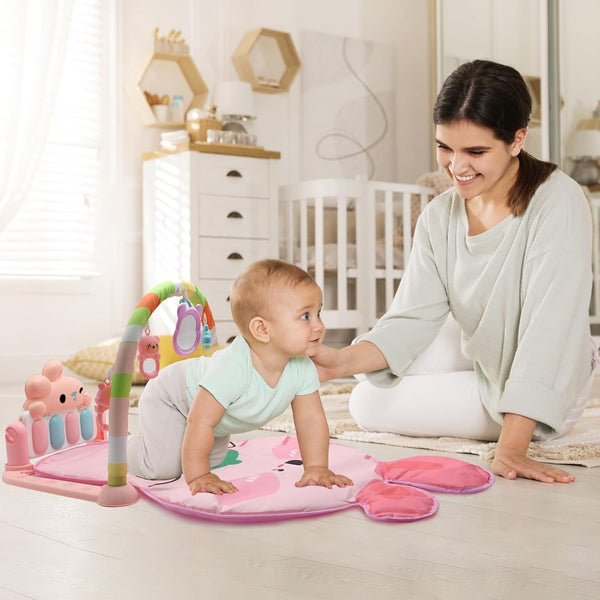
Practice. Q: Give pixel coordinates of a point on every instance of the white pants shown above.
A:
(437, 397)
(155, 452)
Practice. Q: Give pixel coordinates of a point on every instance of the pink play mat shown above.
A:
(265, 470)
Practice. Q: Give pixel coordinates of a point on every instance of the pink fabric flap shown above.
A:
(389, 502)
(436, 474)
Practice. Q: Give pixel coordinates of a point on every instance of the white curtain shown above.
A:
(34, 40)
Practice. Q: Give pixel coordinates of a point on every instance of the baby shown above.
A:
(188, 412)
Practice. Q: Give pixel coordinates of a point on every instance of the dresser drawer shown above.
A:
(231, 216)
(217, 294)
(226, 175)
(222, 258)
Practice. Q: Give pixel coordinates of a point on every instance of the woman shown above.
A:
(506, 255)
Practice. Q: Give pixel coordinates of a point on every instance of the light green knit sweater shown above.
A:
(520, 293)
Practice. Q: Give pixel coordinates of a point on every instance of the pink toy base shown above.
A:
(265, 470)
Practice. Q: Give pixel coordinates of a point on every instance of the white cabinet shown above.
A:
(206, 217)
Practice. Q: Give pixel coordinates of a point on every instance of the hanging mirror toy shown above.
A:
(189, 330)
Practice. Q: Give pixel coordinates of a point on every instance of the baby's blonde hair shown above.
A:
(255, 289)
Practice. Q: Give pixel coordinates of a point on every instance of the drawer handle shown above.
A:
(235, 256)
(234, 214)
(234, 173)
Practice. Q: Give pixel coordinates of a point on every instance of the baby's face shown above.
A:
(295, 320)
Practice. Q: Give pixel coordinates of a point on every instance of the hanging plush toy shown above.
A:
(148, 355)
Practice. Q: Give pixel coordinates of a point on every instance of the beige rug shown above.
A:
(580, 447)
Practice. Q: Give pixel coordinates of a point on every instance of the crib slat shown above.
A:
(389, 246)
(290, 208)
(342, 253)
(319, 236)
(595, 316)
(366, 281)
(303, 204)
(406, 227)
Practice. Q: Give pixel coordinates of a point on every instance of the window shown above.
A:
(52, 136)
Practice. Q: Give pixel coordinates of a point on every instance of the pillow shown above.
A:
(94, 362)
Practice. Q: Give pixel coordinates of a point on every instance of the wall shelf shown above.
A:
(186, 71)
(204, 147)
(268, 60)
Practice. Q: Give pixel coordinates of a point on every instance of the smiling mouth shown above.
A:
(465, 179)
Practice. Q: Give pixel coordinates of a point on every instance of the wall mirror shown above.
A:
(552, 42)
(511, 32)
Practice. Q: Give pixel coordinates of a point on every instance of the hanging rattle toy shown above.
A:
(206, 337)
(101, 405)
(148, 355)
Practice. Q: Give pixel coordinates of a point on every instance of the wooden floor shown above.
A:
(519, 539)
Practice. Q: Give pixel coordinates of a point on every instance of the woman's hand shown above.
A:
(511, 459)
(516, 464)
(327, 360)
(362, 357)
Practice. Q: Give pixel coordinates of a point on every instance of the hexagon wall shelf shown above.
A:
(268, 60)
(190, 74)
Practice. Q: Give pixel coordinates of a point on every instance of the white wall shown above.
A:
(41, 321)
(502, 30)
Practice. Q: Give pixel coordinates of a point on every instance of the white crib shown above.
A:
(346, 232)
(355, 237)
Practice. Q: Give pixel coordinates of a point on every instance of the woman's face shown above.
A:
(476, 161)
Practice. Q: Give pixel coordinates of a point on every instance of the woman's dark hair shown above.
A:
(494, 96)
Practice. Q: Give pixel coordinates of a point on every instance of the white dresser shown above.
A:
(207, 215)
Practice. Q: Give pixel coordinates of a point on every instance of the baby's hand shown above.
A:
(323, 476)
(212, 484)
